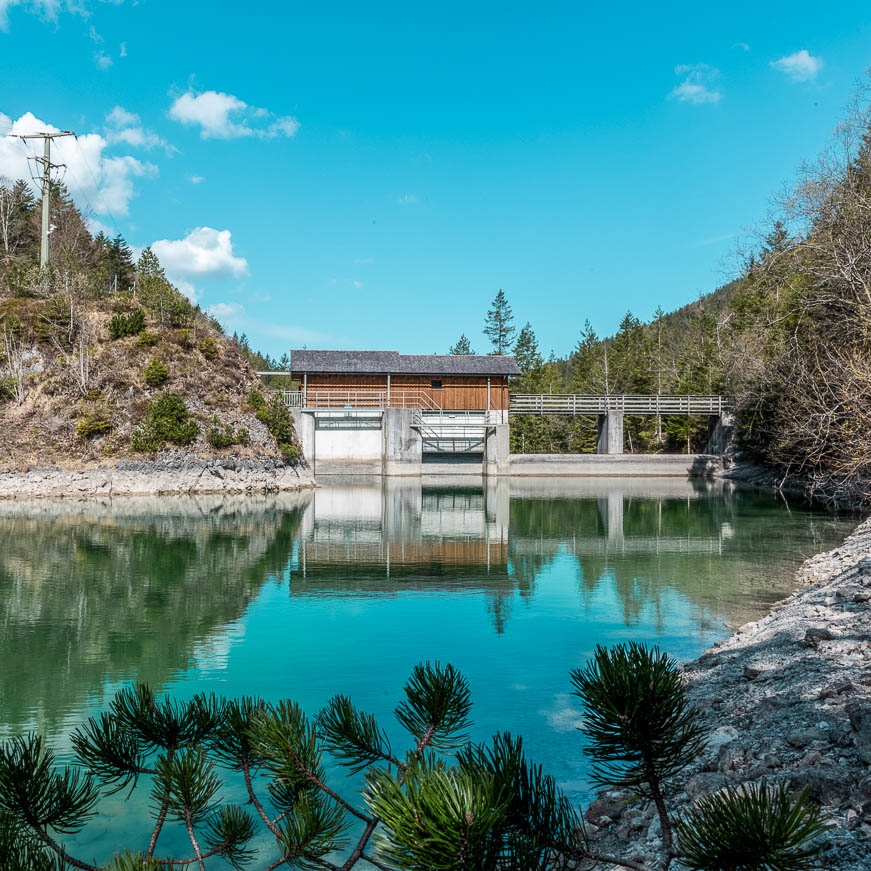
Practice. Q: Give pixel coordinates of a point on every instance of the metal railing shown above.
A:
(368, 400)
(574, 403)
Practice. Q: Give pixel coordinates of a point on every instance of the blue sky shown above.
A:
(369, 175)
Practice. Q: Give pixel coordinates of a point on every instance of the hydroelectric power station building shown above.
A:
(385, 413)
(388, 413)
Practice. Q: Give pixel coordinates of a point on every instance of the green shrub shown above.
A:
(155, 373)
(94, 420)
(208, 348)
(127, 325)
(184, 338)
(148, 339)
(752, 826)
(276, 415)
(166, 419)
(177, 311)
(220, 435)
(7, 389)
(256, 400)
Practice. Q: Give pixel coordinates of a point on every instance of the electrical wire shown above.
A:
(106, 208)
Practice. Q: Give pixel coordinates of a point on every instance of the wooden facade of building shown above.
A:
(389, 379)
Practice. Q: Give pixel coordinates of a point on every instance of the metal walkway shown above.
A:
(576, 403)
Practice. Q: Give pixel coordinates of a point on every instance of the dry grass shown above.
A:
(41, 429)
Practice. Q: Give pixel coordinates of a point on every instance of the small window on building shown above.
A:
(437, 384)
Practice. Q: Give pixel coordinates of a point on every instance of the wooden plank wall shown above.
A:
(459, 393)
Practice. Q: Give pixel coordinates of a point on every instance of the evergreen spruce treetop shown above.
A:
(529, 361)
(148, 264)
(526, 351)
(462, 348)
(499, 326)
(588, 372)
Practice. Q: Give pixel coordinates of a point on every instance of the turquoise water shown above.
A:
(345, 588)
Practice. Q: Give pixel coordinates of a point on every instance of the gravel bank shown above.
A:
(174, 474)
(787, 698)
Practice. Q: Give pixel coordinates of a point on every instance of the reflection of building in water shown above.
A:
(402, 531)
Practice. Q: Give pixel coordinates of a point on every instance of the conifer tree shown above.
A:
(462, 348)
(499, 325)
(588, 363)
(529, 361)
(17, 231)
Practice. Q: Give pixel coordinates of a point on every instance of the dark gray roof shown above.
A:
(394, 363)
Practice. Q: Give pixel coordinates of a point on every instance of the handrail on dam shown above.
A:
(660, 404)
(365, 400)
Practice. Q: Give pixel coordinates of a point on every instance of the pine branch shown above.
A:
(246, 773)
(193, 839)
(60, 849)
(155, 834)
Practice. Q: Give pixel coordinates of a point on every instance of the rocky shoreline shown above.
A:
(166, 475)
(787, 698)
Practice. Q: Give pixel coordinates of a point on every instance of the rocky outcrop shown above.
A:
(173, 474)
(786, 698)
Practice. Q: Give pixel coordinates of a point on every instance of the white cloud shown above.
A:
(226, 311)
(120, 117)
(205, 253)
(187, 288)
(96, 226)
(98, 181)
(286, 125)
(357, 284)
(406, 199)
(102, 60)
(563, 716)
(742, 45)
(196, 179)
(800, 66)
(48, 10)
(225, 116)
(124, 126)
(122, 51)
(698, 85)
(363, 261)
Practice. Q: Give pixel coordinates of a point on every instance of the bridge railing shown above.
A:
(368, 400)
(576, 403)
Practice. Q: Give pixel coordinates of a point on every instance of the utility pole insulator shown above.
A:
(47, 166)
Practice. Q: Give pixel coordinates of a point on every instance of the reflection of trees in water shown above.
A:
(91, 596)
(726, 556)
(108, 591)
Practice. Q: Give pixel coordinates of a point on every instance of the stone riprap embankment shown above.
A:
(786, 698)
(184, 474)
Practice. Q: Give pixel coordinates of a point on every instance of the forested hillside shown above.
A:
(789, 338)
(102, 358)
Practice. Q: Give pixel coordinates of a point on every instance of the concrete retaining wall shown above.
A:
(615, 465)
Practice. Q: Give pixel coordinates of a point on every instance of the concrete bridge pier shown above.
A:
(497, 449)
(721, 432)
(403, 444)
(304, 424)
(610, 433)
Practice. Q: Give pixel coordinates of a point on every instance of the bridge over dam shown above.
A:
(380, 412)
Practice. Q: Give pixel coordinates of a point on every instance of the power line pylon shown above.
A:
(47, 166)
